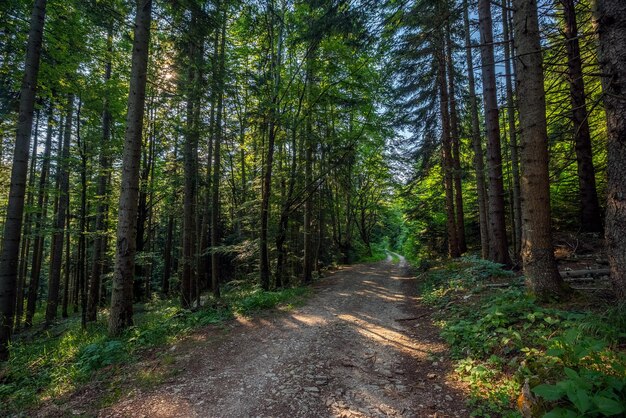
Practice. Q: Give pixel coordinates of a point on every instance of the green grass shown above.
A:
(569, 356)
(52, 363)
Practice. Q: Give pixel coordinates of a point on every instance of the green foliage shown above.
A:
(246, 302)
(502, 338)
(592, 380)
(51, 365)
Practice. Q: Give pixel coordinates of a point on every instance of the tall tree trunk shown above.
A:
(56, 257)
(610, 22)
(590, 217)
(40, 218)
(82, 222)
(479, 164)
(167, 264)
(102, 195)
(264, 265)
(9, 257)
(283, 223)
(540, 270)
(510, 104)
(456, 144)
(67, 268)
(142, 208)
(308, 204)
(190, 167)
(171, 227)
(26, 243)
(217, 171)
(122, 293)
(447, 164)
(308, 171)
(499, 248)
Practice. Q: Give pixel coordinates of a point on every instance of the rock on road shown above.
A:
(343, 354)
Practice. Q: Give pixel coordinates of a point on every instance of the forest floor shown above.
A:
(362, 346)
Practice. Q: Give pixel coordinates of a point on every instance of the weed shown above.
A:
(502, 338)
(51, 365)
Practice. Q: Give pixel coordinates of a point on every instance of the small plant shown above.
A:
(594, 382)
(50, 367)
(502, 338)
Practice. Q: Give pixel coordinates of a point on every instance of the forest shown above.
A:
(172, 165)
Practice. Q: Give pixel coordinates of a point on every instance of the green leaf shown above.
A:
(548, 392)
(608, 406)
(571, 373)
(555, 352)
(571, 336)
(561, 413)
(580, 399)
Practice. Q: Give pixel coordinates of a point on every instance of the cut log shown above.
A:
(585, 273)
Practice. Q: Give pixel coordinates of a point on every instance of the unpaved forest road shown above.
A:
(343, 354)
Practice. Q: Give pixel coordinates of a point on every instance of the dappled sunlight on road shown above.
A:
(354, 350)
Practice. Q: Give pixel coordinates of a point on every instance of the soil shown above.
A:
(362, 346)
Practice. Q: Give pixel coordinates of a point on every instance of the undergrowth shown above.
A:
(522, 357)
(47, 364)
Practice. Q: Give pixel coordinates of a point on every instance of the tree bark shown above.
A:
(102, 195)
(9, 257)
(264, 265)
(122, 292)
(26, 243)
(190, 168)
(590, 217)
(499, 248)
(540, 270)
(447, 164)
(82, 224)
(510, 104)
(67, 269)
(479, 164)
(308, 172)
(610, 22)
(40, 218)
(217, 171)
(56, 257)
(456, 143)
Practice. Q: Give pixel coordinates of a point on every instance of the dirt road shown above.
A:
(351, 351)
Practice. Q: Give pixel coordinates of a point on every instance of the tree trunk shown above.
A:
(190, 168)
(479, 164)
(590, 217)
(167, 264)
(82, 223)
(217, 171)
(540, 270)
(308, 172)
(142, 208)
(122, 292)
(102, 196)
(40, 218)
(67, 268)
(510, 104)
(9, 257)
(447, 164)
(26, 243)
(610, 22)
(499, 248)
(56, 257)
(264, 265)
(456, 152)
